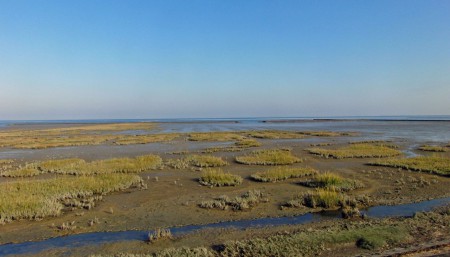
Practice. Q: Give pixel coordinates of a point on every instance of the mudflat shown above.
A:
(145, 176)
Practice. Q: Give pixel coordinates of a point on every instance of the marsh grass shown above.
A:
(433, 148)
(238, 203)
(312, 243)
(332, 181)
(269, 157)
(215, 136)
(356, 151)
(218, 178)
(323, 197)
(247, 143)
(42, 198)
(77, 166)
(282, 173)
(145, 139)
(274, 134)
(433, 164)
(205, 161)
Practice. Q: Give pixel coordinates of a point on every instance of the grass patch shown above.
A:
(312, 243)
(145, 139)
(282, 173)
(205, 161)
(76, 166)
(432, 164)
(323, 197)
(332, 181)
(269, 157)
(247, 143)
(274, 134)
(238, 203)
(356, 151)
(215, 136)
(217, 178)
(43, 198)
(433, 148)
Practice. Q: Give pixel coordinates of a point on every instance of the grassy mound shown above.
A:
(43, 198)
(282, 173)
(433, 164)
(356, 151)
(268, 157)
(332, 181)
(205, 161)
(216, 177)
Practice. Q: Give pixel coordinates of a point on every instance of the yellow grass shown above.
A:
(215, 136)
(356, 151)
(80, 167)
(433, 148)
(145, 139)
(333, 181)
(326, 198)
(43, 198)
(216, 177)
(268, 157)
(434, 164)
(205, 161)
(247, 143)
(282, 173)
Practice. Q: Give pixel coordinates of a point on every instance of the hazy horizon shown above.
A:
(221, 59)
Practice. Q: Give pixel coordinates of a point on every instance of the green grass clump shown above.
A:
(433, 164)
(312, 243)
(332, 181)
(145, 139)
(216, 177)
(60, 165)
(433, 148)
(205, 161)
(268, 157)
(282, 173)
(356, 151)
(43, 198)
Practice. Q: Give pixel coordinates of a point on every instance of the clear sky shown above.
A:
(77, 59)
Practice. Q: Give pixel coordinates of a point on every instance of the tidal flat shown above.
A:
(278, 169)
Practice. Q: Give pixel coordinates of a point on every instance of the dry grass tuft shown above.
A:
(217, 178)
(159, 234)
(238, 203)
(269, 157)
(282, 173)
(215, 136)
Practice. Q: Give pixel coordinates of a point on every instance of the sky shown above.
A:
(96, 59)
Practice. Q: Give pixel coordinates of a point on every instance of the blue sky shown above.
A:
(216, 58)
